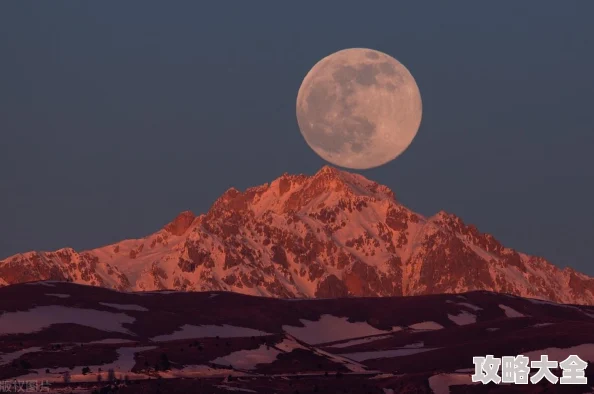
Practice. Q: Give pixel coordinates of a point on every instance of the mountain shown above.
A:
(328, 235)
(221, 342)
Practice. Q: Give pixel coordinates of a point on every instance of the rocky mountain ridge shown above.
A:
(332, 234)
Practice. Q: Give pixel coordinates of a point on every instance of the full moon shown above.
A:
(359, 108)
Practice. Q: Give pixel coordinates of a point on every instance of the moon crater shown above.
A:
(359, 108)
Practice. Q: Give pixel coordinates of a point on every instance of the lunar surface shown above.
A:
(359, 108)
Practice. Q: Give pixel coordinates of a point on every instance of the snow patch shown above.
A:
(510, 312)
(440, 384)
(7, 358)
(304, 299)
(426, 326)
(382, 376)
(543, 302)
(414, 345)
(471, 306)
(363, 356)
(542, 324)
(197, 371)
(581, 309)
(188, 331)
(110, 341)
(248, 359)
(40, 317)
(352, 365)
(48, 284)
(585, 351)
(125, 360)
(288, 345)
(231, 388)
(331, 329)
(122, 366)
(359, 341)
(463, 318)
(125, 307)
(589, 314)
(58, 295)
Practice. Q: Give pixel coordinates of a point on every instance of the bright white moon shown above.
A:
(359, 108)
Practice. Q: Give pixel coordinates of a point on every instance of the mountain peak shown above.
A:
(327, 169)
(355, 183)
(181, 223)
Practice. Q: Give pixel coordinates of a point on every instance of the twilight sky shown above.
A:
(115, 117)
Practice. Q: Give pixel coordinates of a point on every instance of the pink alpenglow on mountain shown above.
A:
(332, 234)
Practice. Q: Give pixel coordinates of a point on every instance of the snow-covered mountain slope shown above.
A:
(327, 235)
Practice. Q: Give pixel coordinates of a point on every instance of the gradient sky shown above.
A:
(115, 117)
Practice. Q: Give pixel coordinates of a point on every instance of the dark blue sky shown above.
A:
(115, 117)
